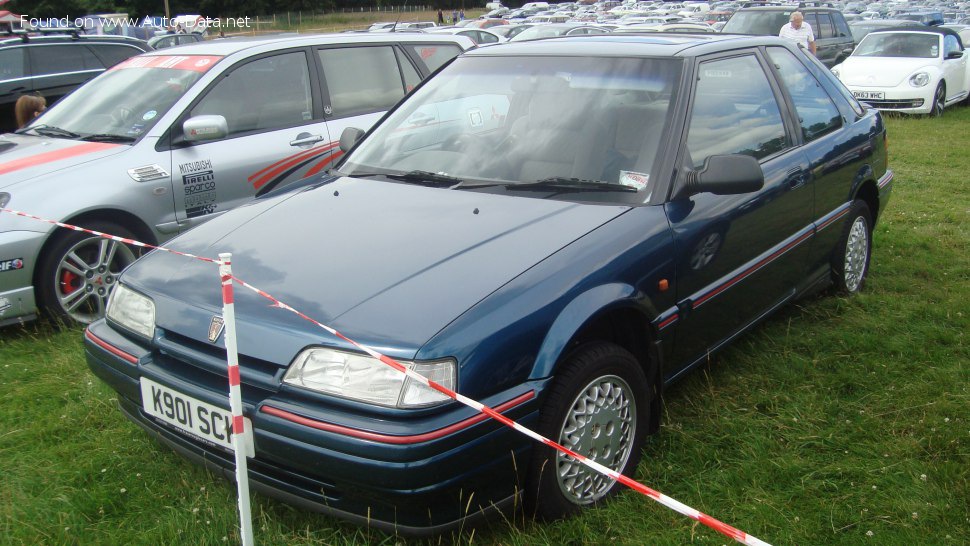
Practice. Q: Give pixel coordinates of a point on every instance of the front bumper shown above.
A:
(904, 98)
(17, 303)
(449, 469)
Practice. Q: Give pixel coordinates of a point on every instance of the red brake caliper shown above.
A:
(67, 282)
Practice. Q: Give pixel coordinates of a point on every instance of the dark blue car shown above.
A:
(558, 229)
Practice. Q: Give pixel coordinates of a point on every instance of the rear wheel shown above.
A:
(599, 407)
(850, 263)
(79, 270)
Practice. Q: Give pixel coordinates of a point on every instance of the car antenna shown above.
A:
(394, 27)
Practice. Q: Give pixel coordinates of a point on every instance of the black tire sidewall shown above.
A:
(544, 499)
(939, 99)
(45, 290)
(858, 208)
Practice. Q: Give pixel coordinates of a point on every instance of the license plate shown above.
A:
(869, 95)
(209, 423)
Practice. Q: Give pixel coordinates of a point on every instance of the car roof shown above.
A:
(918, 28)
(651, 44)
(229, 46)
(20, 39)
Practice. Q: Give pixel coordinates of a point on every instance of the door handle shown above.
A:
(796, 177)
(303, 139)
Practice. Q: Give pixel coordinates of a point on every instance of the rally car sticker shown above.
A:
(199, 186)
(11, 265)
(195, 63)
(269, 177)
(56, 155)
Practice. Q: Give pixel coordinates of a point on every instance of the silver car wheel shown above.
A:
(600, 424)
(856, 254)
(939, 101)
(86, 274)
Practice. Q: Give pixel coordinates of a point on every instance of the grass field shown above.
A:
(839, 421)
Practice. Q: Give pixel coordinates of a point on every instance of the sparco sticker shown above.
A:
(11, 265)
(199, 186)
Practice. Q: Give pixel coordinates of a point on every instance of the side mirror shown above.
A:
(349, 138)
(727, 175)
(202, 128)
(954, 55)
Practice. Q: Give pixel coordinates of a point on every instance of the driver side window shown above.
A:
(268, 93)
(734, 111)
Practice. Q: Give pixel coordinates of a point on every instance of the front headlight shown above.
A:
(360, 377)
(920, 79)
(131, 310)
(4, 199)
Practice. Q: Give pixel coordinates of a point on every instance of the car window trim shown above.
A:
(165, 142)
(792, 107)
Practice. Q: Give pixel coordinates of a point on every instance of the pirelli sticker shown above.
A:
(199, 188)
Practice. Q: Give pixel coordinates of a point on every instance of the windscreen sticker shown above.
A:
(149, 115)
(639, 181)
(475, 118)
(11, 265)
(427, 52)
(199, 186)
(195, 63)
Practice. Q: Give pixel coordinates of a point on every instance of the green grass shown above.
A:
(837, 418)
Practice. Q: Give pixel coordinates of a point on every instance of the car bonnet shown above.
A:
(387, 264)
(24, 157)
(880, 71)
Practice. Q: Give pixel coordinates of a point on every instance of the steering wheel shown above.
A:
(120, 116)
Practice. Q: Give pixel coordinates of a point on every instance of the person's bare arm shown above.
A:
(811, 47)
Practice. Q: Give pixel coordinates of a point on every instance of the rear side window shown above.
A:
(11, 63)
(434, 55)
(411, 76)
(268, 93)
(734, 112)
(112, 54)
(825, 27)
(817, 114)
(765, 23)
(361, 79)
(58, 59)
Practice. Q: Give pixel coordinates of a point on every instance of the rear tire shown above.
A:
(850, 262)
(598, 406)
(78, 271)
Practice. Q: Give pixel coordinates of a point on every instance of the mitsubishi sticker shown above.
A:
(199, 186)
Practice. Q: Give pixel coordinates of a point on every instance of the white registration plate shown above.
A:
(869, 95)
(207, 422)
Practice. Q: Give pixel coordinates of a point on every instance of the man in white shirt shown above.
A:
(798, 31)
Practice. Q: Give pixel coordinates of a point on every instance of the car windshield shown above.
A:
(899, 44)
(499, 122)
(127, 100)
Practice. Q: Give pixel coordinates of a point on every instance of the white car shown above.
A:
(916, 71)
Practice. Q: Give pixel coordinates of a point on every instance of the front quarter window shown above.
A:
(511, 121)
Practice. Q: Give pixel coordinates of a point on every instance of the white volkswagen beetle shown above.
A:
(912, 70)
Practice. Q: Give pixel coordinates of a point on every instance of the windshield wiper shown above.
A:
(425, 178)
(48, 130)
(107, 137)
(569, 184)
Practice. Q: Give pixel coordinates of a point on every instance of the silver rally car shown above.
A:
(166, 140)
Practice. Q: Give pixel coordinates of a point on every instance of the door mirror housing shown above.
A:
(726, 175)
(204, 128)
(349, 138)
(954, 55)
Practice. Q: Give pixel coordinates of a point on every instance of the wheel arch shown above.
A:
(869, 193)
(609, 313)
(123, 218)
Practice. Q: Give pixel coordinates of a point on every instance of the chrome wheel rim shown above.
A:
(938, 102)
(600, 424)
(86, 274)
(856, 253)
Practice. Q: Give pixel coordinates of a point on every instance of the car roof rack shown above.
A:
(17, 33)
(74, 32)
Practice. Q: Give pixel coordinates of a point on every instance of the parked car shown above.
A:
(915, 70)
(553, 30)
(55, 65)
(171, 40)
(860, 29)
(556, 228)
(833, 39)
(511, 30)
(163, 142)
(480, 36)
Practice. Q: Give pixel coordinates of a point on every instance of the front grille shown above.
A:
(897, 103)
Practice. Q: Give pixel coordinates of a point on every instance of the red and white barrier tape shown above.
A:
(675, 505)
(239, 432)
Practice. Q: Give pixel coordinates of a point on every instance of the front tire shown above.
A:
(598, 406)
(78, 271)
(850, 262)
(939, 101)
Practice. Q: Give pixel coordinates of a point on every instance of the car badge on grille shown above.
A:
(215, 328)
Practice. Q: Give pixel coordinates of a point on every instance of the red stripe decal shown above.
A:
(320, 166)
(304, 153)
(828, 222)
(392, 439)
(667, 322)
(233, 376)
(110, 348)
(56, 155)
(238, 425)
(265, 178)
